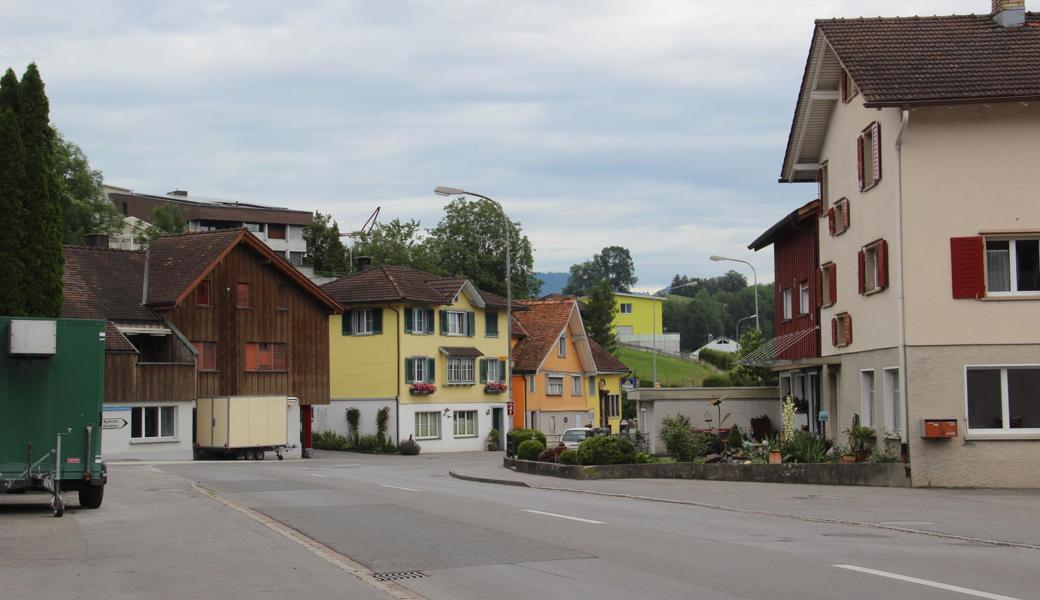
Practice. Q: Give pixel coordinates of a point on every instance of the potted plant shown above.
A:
(495, 388)
(422, 389)
(492, 440)
(861, 439)
(844, 454)
(775, 456)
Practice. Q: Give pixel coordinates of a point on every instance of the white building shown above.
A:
(720, 344)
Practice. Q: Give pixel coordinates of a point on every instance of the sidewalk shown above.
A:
(986, 516)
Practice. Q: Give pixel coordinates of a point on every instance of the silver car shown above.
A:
(572, 438)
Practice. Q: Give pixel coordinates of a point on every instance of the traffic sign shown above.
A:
(629, 383)
(510, 408)
(114, 423)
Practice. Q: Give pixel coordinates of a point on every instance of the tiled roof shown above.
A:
(104, 284)
(461, 351)
(395, 284)
(519, 331)
(447, 286)
(605, 361)
(115, 341)
(178, 261)
(937, 60)
(543, 320)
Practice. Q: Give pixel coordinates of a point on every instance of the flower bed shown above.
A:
(422, 389)
(495, 388)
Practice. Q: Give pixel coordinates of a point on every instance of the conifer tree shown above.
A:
(12, 177)
(600, 311)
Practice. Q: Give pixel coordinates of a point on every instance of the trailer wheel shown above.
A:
(91, 496)
(280, 457)
(258, 454)
(58, 506)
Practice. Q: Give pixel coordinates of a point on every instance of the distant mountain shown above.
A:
(552, 283)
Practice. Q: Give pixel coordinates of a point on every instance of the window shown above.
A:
(612, 406)
(554, 385)
(460, 371)
(803, 299)
(866, 398)
(427, 425)
(364, 321)
(296, 259)
(838, 217)
(868, 156)
(893, 401)
(841, 330)
(828, 280)
(592, 386)
(265, 356)
(561, 345)
(242, 295)
(1003, 399)
(254, 227)
(849, 89)
(465, 423)
(153, 422)
(202, 293)
(492, 370)
(1013, 265)
(275, 231)
(419, 369)
(207, 360)
(787, 303)
(491, 324)
(531, 383)
(282, 298)
(822, 181)
(873, 267)
(455, 322)
(575, 385)
(418, 321)
(626, 308)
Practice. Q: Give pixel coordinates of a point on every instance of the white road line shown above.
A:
(397, 487)
(934, 584)
(316, 475)
(549, 514)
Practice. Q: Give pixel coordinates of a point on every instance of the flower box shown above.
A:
(495, 388)
(422, 389)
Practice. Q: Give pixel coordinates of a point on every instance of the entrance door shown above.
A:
(496, 422)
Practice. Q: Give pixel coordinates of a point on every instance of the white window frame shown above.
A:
(495, 371)
(468, 420)
(894, 412)
(456, 323)
(841, 209)
(362, 321)
(871, 274)
(626, 308)
(803, 298)
(867, 398)
(159, 420)
(419, 324)
(788, 309)
(419, 368)
(461, 371)
(826, 272)
(554, 382)
(866, 140)
(1012, 265)
(428, 425)
(576, 385)
(1005, 402)
(561, 346)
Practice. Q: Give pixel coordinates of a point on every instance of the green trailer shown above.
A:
(51, 392)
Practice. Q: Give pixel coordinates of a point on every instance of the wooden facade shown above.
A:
(302, 325)
(127, 380)
(795, 263)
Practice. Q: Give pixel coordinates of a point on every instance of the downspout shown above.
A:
(901, 300)
(397, 380)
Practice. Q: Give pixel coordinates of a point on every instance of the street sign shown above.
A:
(629, 383)
(114, 423)
(509, 408)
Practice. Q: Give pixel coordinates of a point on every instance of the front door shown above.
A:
(496, 422)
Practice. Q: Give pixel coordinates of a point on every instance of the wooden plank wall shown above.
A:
(303, 328)
(128, 381)
(795, 262)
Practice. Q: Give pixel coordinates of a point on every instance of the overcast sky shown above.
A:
(658, 125)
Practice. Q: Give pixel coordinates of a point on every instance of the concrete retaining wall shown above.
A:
(879, 475)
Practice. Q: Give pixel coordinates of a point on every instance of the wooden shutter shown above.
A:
(968, 266)
(409, 320)
(834, 331)
(428, 320)
(444, 322)
(377, 320)
(202, 295)
(844, 86)
(242, 295)
(266, 356)
(819, 183)
(819, 287)
(847, 323)
(409, 371)
(431, 373)
(859, 161)
(882, 264)
(471, 323)
(346, 321)
(279, 357)
(845, 214)
(282, 298)
(483, 370)
(875, 149)
(833, 283)
(252, 358)
(831, 223)
(862, 272)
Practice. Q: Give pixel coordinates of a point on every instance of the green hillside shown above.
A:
(671, 372)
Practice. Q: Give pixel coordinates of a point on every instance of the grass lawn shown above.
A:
(671, 372)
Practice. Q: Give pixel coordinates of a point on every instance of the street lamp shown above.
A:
(739, 321)
(653, 322)
(754, 274)
(450, 191)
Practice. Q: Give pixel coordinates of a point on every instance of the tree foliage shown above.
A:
(84, 207)
(165, 219)
(613, 263)
(599, 313)
(395, 243)
(713, 306)
(12, 179)
(325, 249)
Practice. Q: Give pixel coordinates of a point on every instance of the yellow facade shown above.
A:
(643, 318)
(611, 384)
(569, 367)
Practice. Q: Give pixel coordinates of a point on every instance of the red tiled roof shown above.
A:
(605, 361)
(518, 329)
(938, 60)
(543, 320)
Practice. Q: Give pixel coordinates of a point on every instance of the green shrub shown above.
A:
(354, 421)
(519, 436)
(330, 440)
(806, 448)
(722, 360)
(644, 458)
(679, 439)
(568, 457)
(606, 450)
(369, 443)
(529, 450)
(735, 438)
(721, 380)
(409, 447)
(382, 419)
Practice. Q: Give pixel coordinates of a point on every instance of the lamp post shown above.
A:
(754, 274)
(450, 191)
(653, 322)
(739, 321)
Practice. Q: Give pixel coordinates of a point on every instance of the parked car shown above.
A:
(572, 438)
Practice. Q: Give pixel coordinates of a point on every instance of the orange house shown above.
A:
(554, 369)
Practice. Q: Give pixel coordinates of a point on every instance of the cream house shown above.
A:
(922, 134)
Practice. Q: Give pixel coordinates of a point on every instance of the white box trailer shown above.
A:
(241, 426)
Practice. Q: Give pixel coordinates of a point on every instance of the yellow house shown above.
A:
(638, 314)
(605, 399)
(431, 349)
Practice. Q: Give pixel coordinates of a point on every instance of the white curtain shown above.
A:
(998, 270)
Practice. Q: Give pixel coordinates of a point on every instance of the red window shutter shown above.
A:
(266, 356)
(834, 331)
(242, 295)
(252, 358)
(279, 357)
(848, 329)
(862, 272)
(819, 287)
(859, 161)
(203, 293)
(845, 215)
(844, 86)
(834, 283)
(211, 356)
(875, 148)
(882, 264)
(968, 267)
(831, 225)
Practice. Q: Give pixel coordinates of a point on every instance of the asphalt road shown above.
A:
(405, 520)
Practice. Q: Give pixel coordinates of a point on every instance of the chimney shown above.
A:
(184, 193)
(1009, 13)
(363, 263)
(96, 240)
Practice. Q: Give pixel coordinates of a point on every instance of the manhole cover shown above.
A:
(399, 575)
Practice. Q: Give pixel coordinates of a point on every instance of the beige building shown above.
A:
(922, 134)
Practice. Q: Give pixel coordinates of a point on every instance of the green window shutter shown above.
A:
(408, 371)
(346, 329)
(501, 371)
(483, 370)
(377, 320)
(471, 323)
(444, 322)
(431, 371)
(490, 323)
(408, 322)
(429, 320)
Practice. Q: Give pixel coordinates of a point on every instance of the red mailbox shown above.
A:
(939, 428)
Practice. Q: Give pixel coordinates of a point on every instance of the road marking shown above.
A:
(397, 487)
(316, 475)
(549, 514)
(934, 584)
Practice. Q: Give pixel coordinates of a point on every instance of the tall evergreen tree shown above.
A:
(325, 250)
(43, 225)
(600, 311)
(12, 177)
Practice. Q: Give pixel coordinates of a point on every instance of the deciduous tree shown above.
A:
(84, 207)
(325, 250)
(165, 219)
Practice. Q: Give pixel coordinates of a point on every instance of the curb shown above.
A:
(490, 480)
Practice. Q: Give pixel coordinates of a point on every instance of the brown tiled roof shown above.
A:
(605, 361)
(938, 60)
(177, 262)
(461, 351)
(115, 341)
(543, 320)
(104, 284)
(446, 286)
(519, 331)
(389, 283)
(496, 301)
